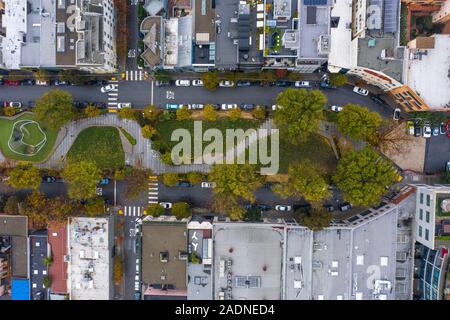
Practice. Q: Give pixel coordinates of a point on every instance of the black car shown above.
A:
(162, 83)
(31, 104)
(267, 83)
(77, 104)
(329, 207)
(283, 84)
(39, 296)
(301, 207)
(184, 184)
(100, 105)
(247, 106)
(242, 83)
(27, 82)
(48, 179)
(263, 207)
(96, 82)
(326, 85)
(417, 130)
(376, 98)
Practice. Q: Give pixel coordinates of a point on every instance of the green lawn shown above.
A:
(32, 135)
(166, 128)
(101, 145)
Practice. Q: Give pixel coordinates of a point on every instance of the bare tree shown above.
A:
(391, 137)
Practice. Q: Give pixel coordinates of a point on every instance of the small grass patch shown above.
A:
(101, 145)
(129, 137)
(32, 135)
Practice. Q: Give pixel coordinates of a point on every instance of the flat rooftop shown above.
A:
(429, 75)
(247, 261)
(226, 51)
(90, 267)
(57, 240)
(204, 25)
(13, 226)
(164, 246)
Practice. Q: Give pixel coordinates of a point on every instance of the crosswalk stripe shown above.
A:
(139, 211)
(152, 202)
(126, 75)
(153, 183)
(153, 198)
(152, 188)
(113, 94)
(151, 192)
(134, 211)
(112, 103)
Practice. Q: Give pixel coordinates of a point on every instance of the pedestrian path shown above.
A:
(134, 75)
(133, 211)
(153, 189)
(113, 95)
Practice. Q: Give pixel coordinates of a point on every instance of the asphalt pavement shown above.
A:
(437, 153)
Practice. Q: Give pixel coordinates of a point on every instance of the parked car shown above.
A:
(226, 83)
(228, 106)
(376, 98)
(302, 207)
(42, 82)
(447, 166)
(12, 82)
(96, 82)
(443, 128)
(184, 184)
(206, 184)
(247, 106)
(48, 179)
(171, 106)
(396, 115)
(410, 127)
(27, 82)
(197, 106)
(15, 104)
(61, 83)
(39, 295)
(166, 205)
(108, 88)
(282, 83)
(30, 104)
(183, 83)
(326, 85)
(426, 130)
(448, 128)
(243, 83)
(162, 83)
(104, 181)
(137, 295)
(275, 107)
(361, 91)
(435, 131)
(263, 207)
(345, 206)
(329, 207)
(100, 105)
(121, 105)
(336, 108)
(417, 129)
(281, 207)
(197, 83)
(302, 84)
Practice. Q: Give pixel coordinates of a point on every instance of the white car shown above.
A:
(361, 91)
(166, 205)
(108, 88)
(206, 184)
(42, 83)
(396, 114)
(137, 286)
(282, 207)
(121, 105)
(336, 108)
(426, 130)
(197, 106)
(275, 107)
(15, 104)
(183, 83)
(197, 83)
(228, 106)
(226, 83)
(302, 84)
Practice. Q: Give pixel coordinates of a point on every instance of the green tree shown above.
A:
(210, 113)
(300, 113)
(236, 213)
(161, 75)
(358, 122)
(54, 108)
(12, 206)
(235, 114)
(364, 176)
(119, 174)
(304, 180)
(82, 178)
(148, 131)
(194, 177)
(170, 179)
(447, 177)
(48, 260)
(166, 158)
(210, 80)
(92, 111)
(181, 210)
(183, 113)
(95, 207)
(155, 210)
(24, 175)
(152, 114)
(72, 76)
(259, 113)
(136, 183)
(235, 180)
(315, 219)
(127, 113)
(47, 281)
(42, 75)
(338, 79)
(9, 111)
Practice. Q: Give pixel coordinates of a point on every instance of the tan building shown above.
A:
(442, 15)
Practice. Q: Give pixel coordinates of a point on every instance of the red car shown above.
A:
(448, 128)
(12, 82)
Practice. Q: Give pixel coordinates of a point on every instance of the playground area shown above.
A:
(23, 138)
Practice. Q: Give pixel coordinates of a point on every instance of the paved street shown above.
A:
(437, 153)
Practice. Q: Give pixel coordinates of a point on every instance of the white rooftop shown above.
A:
(429, 77)
(90, 259)
(14, 20)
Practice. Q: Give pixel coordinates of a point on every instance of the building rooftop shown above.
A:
(16, 227)
(57, 239)
(247, 261)
(151, 28)
(178, 42)
(428, 73)
(13, 226)
(90, 250)
(227, 56)
(14, 22)
(204, 25)
(164, 256)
